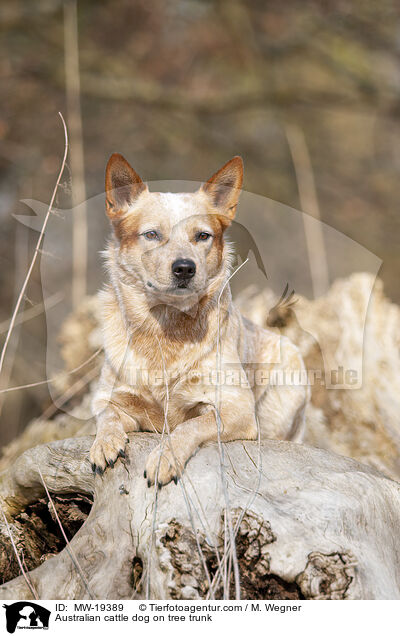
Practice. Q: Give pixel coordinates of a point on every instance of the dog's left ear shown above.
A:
(225, 185)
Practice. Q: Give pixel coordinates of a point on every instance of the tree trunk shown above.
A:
(308, 524)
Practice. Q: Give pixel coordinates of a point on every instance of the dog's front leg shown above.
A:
(166, 462)
(114, 420)
(110, 441)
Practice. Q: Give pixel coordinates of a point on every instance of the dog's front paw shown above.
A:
(109, 444)
(162, 468)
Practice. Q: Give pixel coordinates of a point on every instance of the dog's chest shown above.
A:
(163, 371)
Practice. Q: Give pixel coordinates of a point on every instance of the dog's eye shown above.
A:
(202, 236)
(151, 235)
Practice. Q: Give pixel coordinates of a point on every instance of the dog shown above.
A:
(169, 323)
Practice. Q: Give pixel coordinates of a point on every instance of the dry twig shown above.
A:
(37, 249)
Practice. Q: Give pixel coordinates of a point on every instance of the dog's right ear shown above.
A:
(224, 187)
(123, 186)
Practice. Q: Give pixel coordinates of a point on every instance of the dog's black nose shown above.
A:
(183, 269)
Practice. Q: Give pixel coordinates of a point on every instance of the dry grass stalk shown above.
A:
(24, 574)
(228, 520)
(57, 377)
(73, 91)
(309, 204)
(68, 545)
(35, 255)
(33, 312)
(166, 432)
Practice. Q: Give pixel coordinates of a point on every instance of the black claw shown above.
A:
(148, 483)
(159, 486)
(128, 440)
(121, 454)
(175, 480)
(145, 474)
(99, 470)
(111, 462)
(93, 467)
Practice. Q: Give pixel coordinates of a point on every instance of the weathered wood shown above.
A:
(356, 329)
(313, 524)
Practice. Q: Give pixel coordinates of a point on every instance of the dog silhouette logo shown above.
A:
(26, 615)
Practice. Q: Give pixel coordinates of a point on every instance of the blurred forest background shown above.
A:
(180, 87)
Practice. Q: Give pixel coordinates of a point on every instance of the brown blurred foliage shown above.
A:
(179, 87)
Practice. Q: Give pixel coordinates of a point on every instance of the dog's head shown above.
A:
(172, 245)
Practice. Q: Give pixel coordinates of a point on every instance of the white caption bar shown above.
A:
(172, 617)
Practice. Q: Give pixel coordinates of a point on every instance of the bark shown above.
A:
(309, 524)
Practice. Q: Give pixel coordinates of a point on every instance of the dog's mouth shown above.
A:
(180, 289)
(181, 297)
(182, 285)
